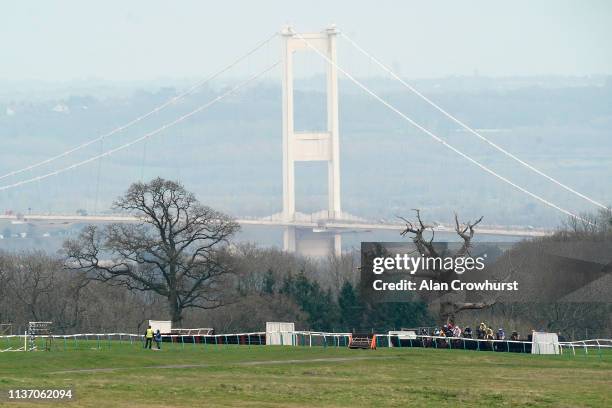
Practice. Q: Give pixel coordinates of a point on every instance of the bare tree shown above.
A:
(5, 279)
(36, 287)
(590, 226)
(34, 282)
(176, 251)
(341, 269)
(449, 305)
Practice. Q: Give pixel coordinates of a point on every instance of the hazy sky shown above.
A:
(125, 40)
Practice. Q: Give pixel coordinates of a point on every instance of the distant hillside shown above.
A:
(230, 155)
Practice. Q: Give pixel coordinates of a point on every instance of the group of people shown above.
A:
(483, 332)
(151, 336)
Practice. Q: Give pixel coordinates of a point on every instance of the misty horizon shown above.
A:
(152, 39)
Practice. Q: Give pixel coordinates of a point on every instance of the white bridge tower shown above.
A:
(310, 146)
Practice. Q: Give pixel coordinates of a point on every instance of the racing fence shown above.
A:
(171, 342)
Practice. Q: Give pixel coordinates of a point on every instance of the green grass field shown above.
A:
(260, 376)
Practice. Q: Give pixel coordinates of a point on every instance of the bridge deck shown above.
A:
(331, 225)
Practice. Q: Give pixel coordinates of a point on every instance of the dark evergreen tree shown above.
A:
(350, 308)
(268, 283)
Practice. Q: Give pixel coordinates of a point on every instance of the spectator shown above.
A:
(158, 339)
(501, 334)
(149, 338)
(467, 333)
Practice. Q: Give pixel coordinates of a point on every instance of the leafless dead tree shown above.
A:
(449, 307)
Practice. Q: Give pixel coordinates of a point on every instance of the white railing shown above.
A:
(19, 342)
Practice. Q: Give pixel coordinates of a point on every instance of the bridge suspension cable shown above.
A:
(467, 127)
(437, 138)
(145, 136)
(164, 105)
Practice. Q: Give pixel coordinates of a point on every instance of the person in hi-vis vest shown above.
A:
(149, 337)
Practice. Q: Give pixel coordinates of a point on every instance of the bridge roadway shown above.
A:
(317, 226)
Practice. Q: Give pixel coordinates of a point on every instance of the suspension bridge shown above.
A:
(325, 228)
